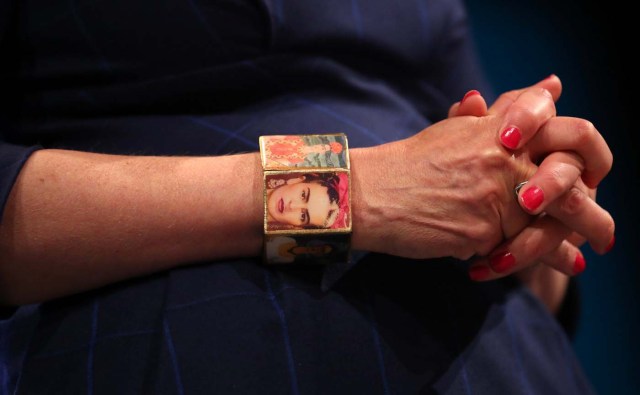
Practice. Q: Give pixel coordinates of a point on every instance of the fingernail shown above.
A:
(532, 198)
(469, 94)
(610, 245)
(502, 262)
(579, 264)
(510, 137)
(479, 272)
(550, 76)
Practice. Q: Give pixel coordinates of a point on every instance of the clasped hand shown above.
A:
(449, 190)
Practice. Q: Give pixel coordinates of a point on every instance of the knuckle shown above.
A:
(478, 233)
(494, 158)
(509, 96)
(538, 105)
(573, 201)
(521, 112)
(544, 92)
(558, 179)
(483, 238)
(485, 199)
(537, 245)
(529, 248)
(585, 131)
(562, 259)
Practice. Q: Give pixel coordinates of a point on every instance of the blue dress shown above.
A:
(203, 77)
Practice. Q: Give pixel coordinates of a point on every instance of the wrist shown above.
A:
(363, 192)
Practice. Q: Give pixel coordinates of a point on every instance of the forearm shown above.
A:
(76, 221)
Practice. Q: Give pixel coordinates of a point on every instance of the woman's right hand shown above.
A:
(448, 191)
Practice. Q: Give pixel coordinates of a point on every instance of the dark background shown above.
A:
(589, 46)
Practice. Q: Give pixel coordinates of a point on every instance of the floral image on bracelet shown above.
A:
(317, 200)
(318, 151)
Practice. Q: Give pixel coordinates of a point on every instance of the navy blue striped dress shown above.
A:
(205, 77)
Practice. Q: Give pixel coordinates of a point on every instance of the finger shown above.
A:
(525, 116)
(512, 220)
(551, 83)
(557, 173)
(576, 238)
(567, 258)
(580, 136)
(541, 238)
(557, 190)
(583, 215)
(453, 110)
(472, 104)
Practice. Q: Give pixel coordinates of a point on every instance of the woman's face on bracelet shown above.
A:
(302, 204)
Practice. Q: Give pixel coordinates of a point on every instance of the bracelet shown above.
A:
(307, 199)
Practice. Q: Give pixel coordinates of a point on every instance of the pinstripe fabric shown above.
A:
(203, 77)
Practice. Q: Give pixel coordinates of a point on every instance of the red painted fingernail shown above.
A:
(469, 94)
(579, 264)
(479, 272)
(502, 262)
(510, 137)
(532, 198)
(610, 245)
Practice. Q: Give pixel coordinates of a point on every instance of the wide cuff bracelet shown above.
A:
(307, 199)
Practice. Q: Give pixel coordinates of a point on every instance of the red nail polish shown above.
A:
(469, 94)
(610, 245)
(579, 264)
(532, 198)
(510, 137)
(479, 272)
(502, 262)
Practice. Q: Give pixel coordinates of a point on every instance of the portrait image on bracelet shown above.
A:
(304, 200)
